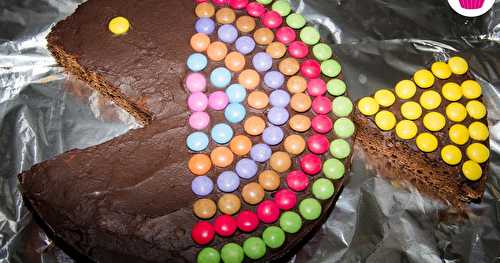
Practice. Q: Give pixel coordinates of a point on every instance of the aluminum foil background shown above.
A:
(44, 112)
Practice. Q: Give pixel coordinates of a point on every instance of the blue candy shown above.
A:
(197, 62)
(220, 77)
(228, 181)
(221, 133)
(273, 135)
(260, 152)
(246, 168)
(245, 45)
(262, 61)
(277, 115)
(205, 25)
(234, 113)
(279, 98)
(227, 33)
(197, 141)
(274, 79)
(236, 93)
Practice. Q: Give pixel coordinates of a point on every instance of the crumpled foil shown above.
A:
(44, 112)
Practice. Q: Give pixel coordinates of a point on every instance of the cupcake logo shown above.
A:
(471, 8)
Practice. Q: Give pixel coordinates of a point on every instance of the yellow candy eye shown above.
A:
(441, 70)
(427, 142)
(456, 112)
(451, 91)
(478, 131)
(472, 170)
(385, 97)
(434, 121)
(368, 106)
(411, 110)
(476, 109)
(458, 65)
(385, 120)
(459, 134)
(119, 25)
(471, 89)
(430, 99)
(405, 89)
(478, 152)
(406, 129)
(451, 154)
(424, 78)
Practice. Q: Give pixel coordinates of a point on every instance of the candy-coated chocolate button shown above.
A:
(405, 89)
(221, 133)
(255, 9)
(205, 25)
(368, 106)
(336, 87)
(272, 135)
(476, 109)
(298, 49)
(200, 42)
(119, 25)
(285, 199)
(296, 21)
(202, 233)
(236, 93)
(321, 105)
(197, 101)
(430, 99)
(225, 16)
(245, 24)
(423, 78)
(254, 125)
(216, 51)
(451, 154)
(472, 170)
(451, 91)
(289, 66)
(478, 152)
(318, 143)
(199, 164)
(342, 106)
(258, 99)
(427, 142)
(456, 112)
(262, 61)
(310, 164)
(309, 35)
(202, 185)
(310, 69)
(282, 7)
(434, 121)
(234, 112)
(300, 123)
(322, 51)
(199, 120)
(260, 152)
(216, 2)
(249, 79)
(458, 134)
(227, 33)
(441, 70)
(276, 50)
(296, 84)
(263, 36)
(384, 97)
(228, 181)
(232, 253)
(330, 68)
(204, 10)
(274, 237)
(268, 212)
(240, 145)
(310, 209)
(253, 193)
(406, 129)
(300, 102)
(246, 168)
(280, 161)
(265, 2)
(316, 87)
(208, 255)
(221, 156)
(478, 131)
(229, 204)
(238, 4)
(290, 222)
(245, 45)
(321, 124)
(225, 225)
(295, 144)
(235, 61)
(385, 120)
(471, 89)
(247, 221)
(196, 62)
(323, 189)
(197, 141)
(458, 65)
(343, 127)
(196, 82)
(271, 19)
(297, 180)
(269, 180)
(340, 148)
(254, 248)
(204, 208)
(411, 110)
(333, 169)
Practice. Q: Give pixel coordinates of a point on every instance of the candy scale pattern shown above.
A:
(271, 126)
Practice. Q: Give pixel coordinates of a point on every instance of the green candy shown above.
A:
(208, 255)
(290, 222)
(343, 127)
(264, 2)
(295, 21)
(232, 253)
(310, 209)
(323, 189)
(282, 7)
(309, 35)
(336, 87)
(333, 169)
(340, 148)
(273, 236)
(342, 106)
(330, 68)
(254, 247)
(322, 51)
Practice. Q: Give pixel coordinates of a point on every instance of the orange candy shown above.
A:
(296, 84)
(199, 164)
(280, 161)
(235, 61)
(253, 193)
(295, 144)
(289, 66)
(269, 180)
(254, 125)
(245, 24)
(225, 16)
(221, 156)
(204, 10)
(229, 204)
(204, 208)
(263, 36)
(200, 42)
(300, 102)
(249, 79)
(300, 123)
(257, 99)
(217, 51)
(240, 145)
(276, 49)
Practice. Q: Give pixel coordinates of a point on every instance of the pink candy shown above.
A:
(316, 87)
(219, 2)
(218, 100)
(310, 69)
(298, 49)
(238, 4)
(196, 82)
(285, 199)
(255, 9)
(199, 120)
(321, 105)
(197, 101)
(272, 19)
(321, 124)
(297, 180)
(285, 35)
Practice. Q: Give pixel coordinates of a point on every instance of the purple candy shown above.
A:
(277, 115)
(245, 45)
(228, 181)
(202, 185)
(260, 152)
(274, 79)
(246, 168)
(279, 98)
(262, 61)
(272, 135)
(205, 25)
(227, 33)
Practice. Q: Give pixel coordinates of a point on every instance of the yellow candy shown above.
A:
(119, 25)
(434, 121)
(456, 112)
(451, 154)
(476, 109)
(385, 120)
(405, 89)
(458, 65)
(406, 129)
(451, 91)
(385, 97)
(368, 106)
(411, 110)
(427, 142)
(441, 70)
(472, 170)
(430, 99)
(424, 78)
(478, 152)
(478, 131)
(459, 134)
(471, 89)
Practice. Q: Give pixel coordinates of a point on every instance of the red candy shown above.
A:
(316, 87)
(297, 180)
(318, 144)
(255, 9)
(271, 19)
(298, 49)
(238, 4)
(321, 124)
(220, 2)
(321, 105)
(285, 199)
(310, 164)
(202, 233)
(268, 212)
(285, 35)
(247, 221)
(310, 69)
(225, 225)
(200, 1)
